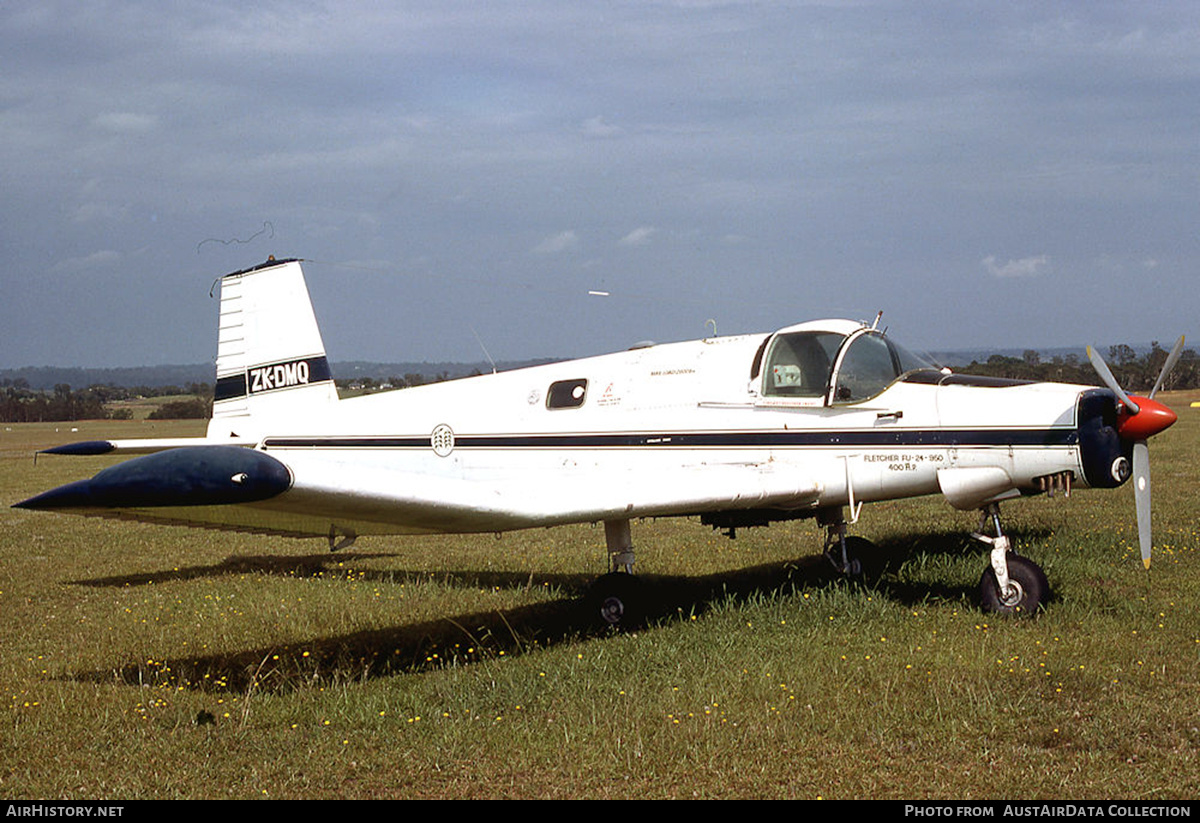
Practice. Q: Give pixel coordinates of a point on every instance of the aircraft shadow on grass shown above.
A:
(466, 639)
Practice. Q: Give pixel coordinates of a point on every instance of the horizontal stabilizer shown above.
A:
(149, 446)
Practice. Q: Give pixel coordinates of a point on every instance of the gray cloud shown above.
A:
(809, 159)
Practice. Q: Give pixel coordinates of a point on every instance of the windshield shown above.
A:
(871, 363)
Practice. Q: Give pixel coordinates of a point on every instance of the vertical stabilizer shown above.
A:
(270, 359)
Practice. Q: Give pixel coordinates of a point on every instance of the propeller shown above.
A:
(1139, 419)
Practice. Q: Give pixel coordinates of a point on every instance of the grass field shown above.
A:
(157, 662)
(141, 407)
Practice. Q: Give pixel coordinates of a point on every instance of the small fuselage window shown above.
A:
(566, 394)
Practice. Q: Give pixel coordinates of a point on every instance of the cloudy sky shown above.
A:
(988, 174)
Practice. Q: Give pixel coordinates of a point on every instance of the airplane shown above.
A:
(810, 421)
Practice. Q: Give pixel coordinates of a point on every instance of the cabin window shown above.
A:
(566, 394)
(798, 364)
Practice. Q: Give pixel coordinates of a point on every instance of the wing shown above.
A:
(249, 490)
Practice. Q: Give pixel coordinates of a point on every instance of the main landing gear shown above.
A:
(856, 557)
(616, 599)
(1011, 584)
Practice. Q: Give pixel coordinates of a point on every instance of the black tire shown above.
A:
(1030, 589)
(616, 600)
(867, 561)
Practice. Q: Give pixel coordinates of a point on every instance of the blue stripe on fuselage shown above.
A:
(956, 438)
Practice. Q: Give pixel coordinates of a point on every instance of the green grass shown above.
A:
(140, 661)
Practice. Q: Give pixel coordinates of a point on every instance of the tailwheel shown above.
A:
(616, 600)
(1027, 590)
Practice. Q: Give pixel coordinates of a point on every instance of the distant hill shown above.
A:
(47, 377)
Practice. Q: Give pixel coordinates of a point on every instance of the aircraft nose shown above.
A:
(1151, 418)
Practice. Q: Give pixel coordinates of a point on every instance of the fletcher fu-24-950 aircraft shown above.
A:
(812, 420)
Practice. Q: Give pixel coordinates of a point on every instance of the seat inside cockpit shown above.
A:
(798, 365)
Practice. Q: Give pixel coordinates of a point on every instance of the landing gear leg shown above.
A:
(1010, 584)
(616, 598)
(620, 545)
(854, 556)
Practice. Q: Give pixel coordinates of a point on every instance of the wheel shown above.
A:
(616, 600)
(1028, 588)
(867, 561)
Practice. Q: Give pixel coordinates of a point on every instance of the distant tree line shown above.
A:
(1134, 373)
(196, 408)
(21, 404)
(369, 385)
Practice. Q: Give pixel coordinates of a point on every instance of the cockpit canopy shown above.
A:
(831, 362)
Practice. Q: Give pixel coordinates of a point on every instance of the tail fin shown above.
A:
(270, 359)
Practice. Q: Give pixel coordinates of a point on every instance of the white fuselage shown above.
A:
(662, 415)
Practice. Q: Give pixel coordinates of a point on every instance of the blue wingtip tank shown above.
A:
(194, 476)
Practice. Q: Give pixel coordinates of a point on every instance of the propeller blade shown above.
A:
(1138, 424)
(1141, 496)
(1167, 366)
(1107, 376)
